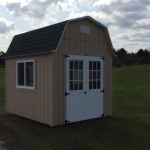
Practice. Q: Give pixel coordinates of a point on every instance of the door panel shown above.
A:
(94, 87)
(84, 83)
(75, 86)
(76, 107)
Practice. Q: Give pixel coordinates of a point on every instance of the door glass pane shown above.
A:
(29, 74)
(90, 65)
(75, 75)
(80, 75)
(94, 84)
(98, 84)
(98, 74)
(90, 85)
(71, 64)
(76, 65)
(90, 75)
(71, 75)
(80, 85)
(71, 85)
(75, 85)
(94, 65)
(98, 65)
(80, 65)
(20, 74)
(94, 75)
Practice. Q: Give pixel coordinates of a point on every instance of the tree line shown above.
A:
(122, 57)
(2, 61)
(142, 56)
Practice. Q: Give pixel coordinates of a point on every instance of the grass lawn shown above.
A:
(127, 129)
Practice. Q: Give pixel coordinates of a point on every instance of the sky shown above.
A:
(128, 21)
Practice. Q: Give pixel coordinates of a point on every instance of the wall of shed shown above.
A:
(76, 43)
(32, 104)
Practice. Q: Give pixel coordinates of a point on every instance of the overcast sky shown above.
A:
(128, 21)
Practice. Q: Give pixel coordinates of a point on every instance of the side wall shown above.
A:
(32, 104)
(76, 43)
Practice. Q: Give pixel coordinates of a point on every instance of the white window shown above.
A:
(84, 29)
(25, 74)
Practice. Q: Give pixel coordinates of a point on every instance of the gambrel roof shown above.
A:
(44, 40)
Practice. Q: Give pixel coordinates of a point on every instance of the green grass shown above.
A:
(127, 129)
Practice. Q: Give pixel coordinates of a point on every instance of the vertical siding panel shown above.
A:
(38, 88)
(13, 86)
(10, 87)
(83, 47)
(66, 45)
(25, 104)
(109, 83)
(87, 36)
(92, 33)
(7, 85)
(35, 106)
(87, 47)
(100, 35)
(41, 88)
(26, 99)
(77, 46)
(67, 34)
(45, 90)
(106, 72)
(91, 47)
(35, 93)
(56, 103)
(72, 34)
(96, 34)
(97, 49)
(72, 46)
(82, 35)
(77, 30)
(61, 84)
(50, 91)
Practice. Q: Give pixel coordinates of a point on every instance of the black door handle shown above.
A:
(85, 92)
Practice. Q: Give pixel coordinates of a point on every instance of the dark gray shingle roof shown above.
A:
(42, 40)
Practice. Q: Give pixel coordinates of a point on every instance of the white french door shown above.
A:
(84, 85)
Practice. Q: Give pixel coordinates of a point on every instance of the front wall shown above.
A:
(33, 104)
(76, 43)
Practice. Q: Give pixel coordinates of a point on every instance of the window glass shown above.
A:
(25, 75)
(94, 75)
(76, 75)
(29, 74)
(20, 71)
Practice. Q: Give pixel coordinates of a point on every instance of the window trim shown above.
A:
(25, 61)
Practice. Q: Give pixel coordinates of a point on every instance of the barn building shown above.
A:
(61, 73)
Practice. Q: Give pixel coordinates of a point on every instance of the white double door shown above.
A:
(84, 88)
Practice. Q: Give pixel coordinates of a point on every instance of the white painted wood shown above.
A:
(94, 96)
(81, 105)
(76, 100)
(25, 61)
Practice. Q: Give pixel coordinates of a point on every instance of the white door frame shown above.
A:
(77, 104)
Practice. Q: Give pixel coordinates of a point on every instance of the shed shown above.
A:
(61, 73)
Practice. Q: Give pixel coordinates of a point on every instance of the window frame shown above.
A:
(25, 86)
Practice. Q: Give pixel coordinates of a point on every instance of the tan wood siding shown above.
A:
(32, 104)
(76, 43)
